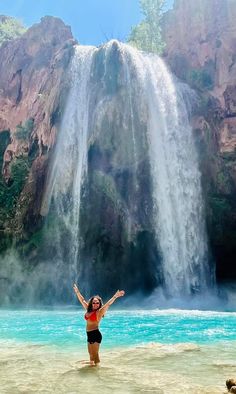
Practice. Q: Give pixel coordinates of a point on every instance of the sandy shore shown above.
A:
(156, 368)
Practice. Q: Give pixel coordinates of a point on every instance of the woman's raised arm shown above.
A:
(80, 297)
(105, 307)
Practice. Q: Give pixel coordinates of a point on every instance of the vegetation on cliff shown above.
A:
(147, 35)
(200, 79)
(10, 28)
(10, 191)
(23, 131)
(9, 194)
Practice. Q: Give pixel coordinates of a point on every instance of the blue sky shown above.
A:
(92, 21)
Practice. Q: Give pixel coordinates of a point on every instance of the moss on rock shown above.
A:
(200, 79)
(24, 131)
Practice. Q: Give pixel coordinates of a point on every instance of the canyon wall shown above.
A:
(32, 94)
(200, 49)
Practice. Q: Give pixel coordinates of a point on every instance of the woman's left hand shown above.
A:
(119, 293)
(75, 288)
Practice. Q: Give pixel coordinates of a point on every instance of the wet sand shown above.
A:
(152, 368)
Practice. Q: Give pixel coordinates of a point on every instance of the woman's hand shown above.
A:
(119, 293)
(80, 297)
(75, 288)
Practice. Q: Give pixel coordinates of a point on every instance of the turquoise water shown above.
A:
(155, 351)
(119, 328)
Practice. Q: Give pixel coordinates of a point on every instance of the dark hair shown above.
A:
(90, 303)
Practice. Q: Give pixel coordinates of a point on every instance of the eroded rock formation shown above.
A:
(32, 92)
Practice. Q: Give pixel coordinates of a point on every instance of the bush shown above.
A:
(10, 193)
(10, 28)
(200, 79)
(4, 141)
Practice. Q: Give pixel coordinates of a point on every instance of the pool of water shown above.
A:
(119, 328)
(143, 351)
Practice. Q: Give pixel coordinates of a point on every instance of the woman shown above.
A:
(95, 311)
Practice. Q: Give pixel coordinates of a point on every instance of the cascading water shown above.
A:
(131, 99)
(179, 216)
(70, 164)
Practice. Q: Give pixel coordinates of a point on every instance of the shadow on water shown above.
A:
(83, 367)
(85, 370)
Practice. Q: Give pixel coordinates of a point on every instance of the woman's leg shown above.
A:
(97, 359)
(93, 349)
(91, 353)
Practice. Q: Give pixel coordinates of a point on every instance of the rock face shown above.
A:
(32, 90)
(200, 41)
(32, 67)
(200, 47)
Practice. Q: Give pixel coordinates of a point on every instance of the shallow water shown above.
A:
(142, 352)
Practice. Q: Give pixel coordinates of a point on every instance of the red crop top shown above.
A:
(92, 316)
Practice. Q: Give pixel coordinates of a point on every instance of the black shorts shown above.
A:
(94, 336)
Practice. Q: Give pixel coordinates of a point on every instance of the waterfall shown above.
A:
(178, 203)
(129, 102)
(70, 164)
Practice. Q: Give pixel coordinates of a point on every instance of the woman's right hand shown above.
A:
(75, 288)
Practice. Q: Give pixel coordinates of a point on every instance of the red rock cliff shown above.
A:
(31, 70)
(32, 90)
(200, 40)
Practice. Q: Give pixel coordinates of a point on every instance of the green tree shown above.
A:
(147, 35)
(10, 28)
